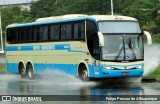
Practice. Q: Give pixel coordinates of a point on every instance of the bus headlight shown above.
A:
(107, 67)
(139, 67)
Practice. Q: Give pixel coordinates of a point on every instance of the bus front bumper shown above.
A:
(104, 73)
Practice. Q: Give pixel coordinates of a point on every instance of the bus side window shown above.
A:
(22, 35)
(30, 34)
(68, 31)
(51, 32)
(10, 35)
(16, 35)
(19, 35)
(54, 32)
(75, 31)
(25, 32)
(43, 33)
(40, 33)
(63, 31)
(35, 34)
(79, 30)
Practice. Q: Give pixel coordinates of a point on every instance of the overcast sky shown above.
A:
(3, 2)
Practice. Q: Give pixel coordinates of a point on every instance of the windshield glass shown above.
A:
(119, 27)
(122, 47)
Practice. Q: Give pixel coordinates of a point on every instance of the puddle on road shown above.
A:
(48, 77)
(55, 77)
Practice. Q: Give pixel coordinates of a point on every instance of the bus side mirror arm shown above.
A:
(101, 39)
(148, 36)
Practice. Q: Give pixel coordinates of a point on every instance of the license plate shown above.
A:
(125, 73)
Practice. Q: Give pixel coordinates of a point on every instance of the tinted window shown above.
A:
(30, 34)
(69, 31)
(22, 35)
(79, 30)
(76, 31)
(16, 35)
(40, 35)
(92, 39)
(10, 35)
(35, 34)
(54, 32)
(63, 31)
(43, 33)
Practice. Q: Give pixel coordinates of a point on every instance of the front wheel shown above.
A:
(84, 74)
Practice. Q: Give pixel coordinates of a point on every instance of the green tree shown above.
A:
(12, 15)
(145, 11)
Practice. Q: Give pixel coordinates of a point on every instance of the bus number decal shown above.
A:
(44, 47)
(48, 47)
(36, 48)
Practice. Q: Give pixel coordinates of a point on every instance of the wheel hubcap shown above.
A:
(85, 75)
(22, 73)
(30, 73)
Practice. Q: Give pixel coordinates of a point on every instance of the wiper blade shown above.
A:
(131, 48)
(120, 51)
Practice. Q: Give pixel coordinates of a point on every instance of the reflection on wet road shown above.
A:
(12, 84)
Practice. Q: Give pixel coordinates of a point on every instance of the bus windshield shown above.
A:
(119, 27)
(122, 41)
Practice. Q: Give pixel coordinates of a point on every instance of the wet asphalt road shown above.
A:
(49, 84)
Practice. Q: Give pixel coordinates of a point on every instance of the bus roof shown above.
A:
(75, 17)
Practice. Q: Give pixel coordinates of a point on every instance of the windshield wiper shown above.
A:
(120, 51)
(131, 48)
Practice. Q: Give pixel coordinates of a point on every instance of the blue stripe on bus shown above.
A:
(39, 68)
(54, 21)
(72, 70)
(40, 47)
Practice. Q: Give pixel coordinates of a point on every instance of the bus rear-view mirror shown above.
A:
(148, 37)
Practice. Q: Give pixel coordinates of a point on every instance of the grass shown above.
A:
(153, 75)
(156, 38)
(2, 67)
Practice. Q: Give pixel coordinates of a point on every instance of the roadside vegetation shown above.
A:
(2, 67)
(155, 75)
(156, 38)
(146, 11)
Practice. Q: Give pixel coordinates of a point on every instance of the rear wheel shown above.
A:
(84, 74)
(22, 71)
(29, 73)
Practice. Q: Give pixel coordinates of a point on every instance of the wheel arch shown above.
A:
(21, 62)
(81, 64)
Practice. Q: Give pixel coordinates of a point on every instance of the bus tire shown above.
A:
(29, 72)
(84, 74)
(22, 71)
